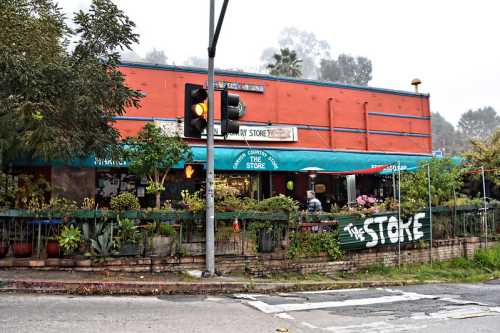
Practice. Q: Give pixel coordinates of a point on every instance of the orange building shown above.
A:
(290, 125)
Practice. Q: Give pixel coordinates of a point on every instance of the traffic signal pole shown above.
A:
(210, 213)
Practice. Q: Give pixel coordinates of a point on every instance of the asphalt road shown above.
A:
(427, 308)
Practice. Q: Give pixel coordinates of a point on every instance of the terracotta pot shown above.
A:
(53, 249)
(22, 249)
(161, 245)
(4, 248)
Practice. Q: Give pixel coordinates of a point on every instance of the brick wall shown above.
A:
(263, 264)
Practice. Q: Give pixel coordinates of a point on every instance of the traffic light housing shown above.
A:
(195, 110)
(194, 170)
(230, 113)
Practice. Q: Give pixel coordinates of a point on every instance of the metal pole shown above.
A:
(430, 211)
(484, 202)
(393, 185)
(399, 213)
(210, 217)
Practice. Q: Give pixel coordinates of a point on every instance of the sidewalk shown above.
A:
(83, 283)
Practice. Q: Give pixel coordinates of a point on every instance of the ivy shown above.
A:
(308, 244)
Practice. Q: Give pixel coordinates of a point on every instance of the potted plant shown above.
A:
(4, 248)
(161, 242)
(22, 248)
(53, 249)
(69, 239)
(128, 237)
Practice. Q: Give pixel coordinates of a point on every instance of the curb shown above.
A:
(86, 288)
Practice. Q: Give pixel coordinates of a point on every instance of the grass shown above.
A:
(484, 266)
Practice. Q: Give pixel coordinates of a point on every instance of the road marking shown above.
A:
(289, 307)
(306, 324)
(331, 291)
(252, 297)
(375, 327)
(457, 313)
(284, 315)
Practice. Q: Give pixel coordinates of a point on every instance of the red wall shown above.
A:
(296, 103)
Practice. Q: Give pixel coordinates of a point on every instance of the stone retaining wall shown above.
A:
(263, 264)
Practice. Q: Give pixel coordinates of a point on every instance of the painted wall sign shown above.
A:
(247, 133)
(255, 159)
(237, 86)
(383, 230)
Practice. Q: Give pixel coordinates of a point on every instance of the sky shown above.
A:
(451, 46)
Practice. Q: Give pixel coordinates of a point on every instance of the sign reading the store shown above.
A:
(246, 133)
(255, 159)
(383, 230)
(237, 86)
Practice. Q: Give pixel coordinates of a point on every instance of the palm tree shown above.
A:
(286, 64)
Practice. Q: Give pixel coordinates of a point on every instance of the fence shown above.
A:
(25, 233)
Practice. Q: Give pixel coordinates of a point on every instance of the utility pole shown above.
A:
(210, 214)
(430, 210)
(485, 217)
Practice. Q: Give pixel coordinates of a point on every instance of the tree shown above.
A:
(286, 63)
(486, 153)
(445, 137)
(307, 47)
(346, 69)
(152, 154)
(156, 57)
(479, 124)
(196, 62)
(57, 103)
(445, 177)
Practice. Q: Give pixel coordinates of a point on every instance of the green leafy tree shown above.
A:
(445, 137)
(479, 124)
(486, 153)
(445, 177)
(156, 57)
(285, 63)
(152, 154)
(57, 101)
(346, 69)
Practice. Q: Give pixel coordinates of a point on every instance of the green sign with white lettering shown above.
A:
(255, 160)
(380, 230)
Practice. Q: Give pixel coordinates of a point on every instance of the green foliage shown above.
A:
(56, 101)
(194, 202)
(69, 239)
(308, 244)
(346, 69)
(31, 192)
(479, 124)
(127, 232)
(103, 241)
(62, 205)
(166, 230)
(488, 258)
(286, 63)
(159, 228)
(124, 201)
(445, 137)
(153, 153)
(279, 203)
(445, 177)
(8, 190)
(486, 153)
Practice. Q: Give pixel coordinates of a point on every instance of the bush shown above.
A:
(69, 239)
(278, 203)
(166, 230)
(308, 244)
(488, 258)
(125, 201)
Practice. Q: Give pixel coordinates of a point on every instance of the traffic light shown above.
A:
(195, 110)
(230, 113)
(193, 170)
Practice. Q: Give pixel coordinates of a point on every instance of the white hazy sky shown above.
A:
(452, 46)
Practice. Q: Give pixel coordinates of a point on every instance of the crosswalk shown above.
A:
(359, 310)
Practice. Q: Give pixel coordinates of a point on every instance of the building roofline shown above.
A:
(267, 77)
